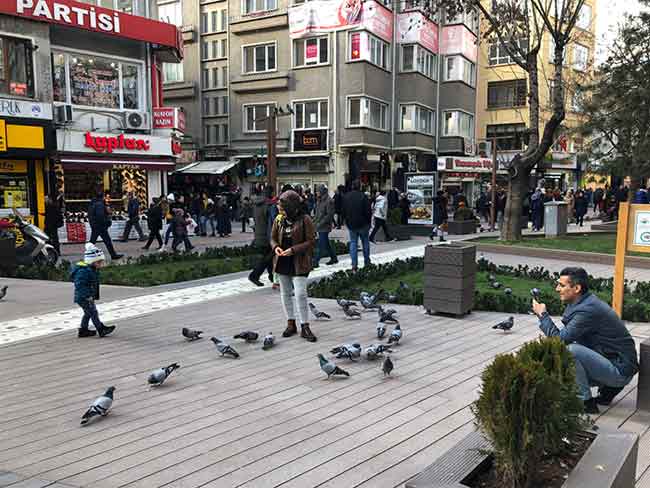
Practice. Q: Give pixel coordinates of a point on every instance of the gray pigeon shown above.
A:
(505, 325)
(3, 292)
(247, 335)
(224, 348)
(100, 406)
(373, 351)
(507, 291)
(269, 341)
(369, 301)
(351, 313)
(496, 285)
(191, 335)
(345, 303)
(381, 330)
(387, 367)
(158, 377)
(318, 314)
(395, 335)
(350, 351)
(330, 368)
(387, 315)
(403, 286)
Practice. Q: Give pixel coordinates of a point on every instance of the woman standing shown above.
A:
(581, 204)
(292, 241)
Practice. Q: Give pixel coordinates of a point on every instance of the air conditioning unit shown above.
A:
(484, 149)
(62, 114)
(137, 121)
(469, 146)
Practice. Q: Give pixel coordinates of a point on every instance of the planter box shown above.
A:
(449, 278)
(462, 227)
(616, 452)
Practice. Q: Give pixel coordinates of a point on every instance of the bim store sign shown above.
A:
(97, 19)
(310, 140)
(133, 145)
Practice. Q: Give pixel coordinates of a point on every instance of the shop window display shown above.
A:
(14, 192)
(16, 67)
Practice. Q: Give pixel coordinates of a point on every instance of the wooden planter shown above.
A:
(462, 227)
(449, 278)
(615, 452)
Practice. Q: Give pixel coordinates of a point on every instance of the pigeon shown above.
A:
(381, 330)
(192, 335)
(350, 351)
(330, 368)
(491, 277)
(386, 316)
(351, 313)
(224, 348)
(387, 366)
(158, 377)
(392, 298)
(345, 303)
(505, 325)
(396, 335)
(373, 351)
(247, 335)
(369, 301)
(100, 406)
(3, 292)
(496, 285)
(318, 314)
(403, 286)
(507, 291)
(269, 341)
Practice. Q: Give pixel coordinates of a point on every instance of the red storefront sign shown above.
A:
(169, 118)
(97, 19)
(106, 144)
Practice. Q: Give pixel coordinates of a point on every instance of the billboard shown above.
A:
(458, 39)
(420, 190)
(322, 16)
(416, 28)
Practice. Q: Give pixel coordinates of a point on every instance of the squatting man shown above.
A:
(602, 347)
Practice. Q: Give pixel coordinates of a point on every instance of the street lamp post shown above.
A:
(271, 138)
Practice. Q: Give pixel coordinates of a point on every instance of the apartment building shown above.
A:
(503, 105)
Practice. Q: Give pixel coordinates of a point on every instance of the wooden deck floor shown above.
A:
(267, 419)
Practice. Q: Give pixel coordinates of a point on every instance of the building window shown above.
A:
(509, 137)
(208, 134)
(224, 48)
(224, 19)
(93, 81)
(310, 115)
(224, 105)
(577, 101)
(204, 23)
(310, 52)
(224, 75)
(133, 7)
(416, 118)
(17, 67)
(367, 112)
(458, 124)
(206, 106)
(172, 72)
(204, 50)
(498, 54)
(470, 19)
(254, 117)
(457, 68)
(205, 78)
(363, 46)
(584, 17)
(416, 58)
(252, 6)
(507, 94)
(580, 57)
(172, 13)
(259, 58)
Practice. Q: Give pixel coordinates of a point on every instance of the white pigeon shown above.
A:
(158, 377)
(395, 335)
(100, 406)
(374, 351)
(269, 341)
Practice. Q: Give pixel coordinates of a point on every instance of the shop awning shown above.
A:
(100, 163)
(208, 167)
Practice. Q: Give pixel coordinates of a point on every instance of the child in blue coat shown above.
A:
(85, 275)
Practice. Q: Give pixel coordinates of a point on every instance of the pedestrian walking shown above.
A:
(85, 275)
(598, 200)
(53, 220)
(537, 209)
(405, 209)
(570, 200)
(581, 206)
(358, 215)
(246, 212)
(292, 241)
(323, 220)
(207, 217)
(155, 223)
(263, 213)
(502, 198)
(100, 220)
(133, 211)
(180, 223)
(439, 216)
(380, 214)
(338, 205)
(641, 195)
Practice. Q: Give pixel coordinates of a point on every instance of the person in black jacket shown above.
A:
(133, 210)
(358, 216)
(338, 205)
(100, 221)
(53, 220)
(155, 221)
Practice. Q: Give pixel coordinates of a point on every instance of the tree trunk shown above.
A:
(511, 230)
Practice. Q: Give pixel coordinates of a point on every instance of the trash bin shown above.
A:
(555, 219)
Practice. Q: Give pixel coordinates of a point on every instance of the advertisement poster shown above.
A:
(415, 27)
(642, 229)
(458, 39)
(420, 189)
(321, 16)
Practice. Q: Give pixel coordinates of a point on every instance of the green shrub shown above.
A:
(528, 404)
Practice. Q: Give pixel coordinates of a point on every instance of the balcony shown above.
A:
(260, 82)
(274, 19)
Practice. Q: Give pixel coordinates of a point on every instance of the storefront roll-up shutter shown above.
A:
(208, 167)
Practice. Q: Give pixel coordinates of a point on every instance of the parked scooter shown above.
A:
(32, 244)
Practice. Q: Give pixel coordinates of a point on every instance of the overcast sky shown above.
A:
(609, 14)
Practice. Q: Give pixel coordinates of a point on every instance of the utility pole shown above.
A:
(493, 208)
(270, 149)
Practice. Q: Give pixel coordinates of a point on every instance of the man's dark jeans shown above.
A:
(266, 263)
(96, 233)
